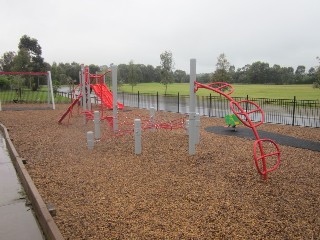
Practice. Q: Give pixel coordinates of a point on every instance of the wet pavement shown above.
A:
(17, 221)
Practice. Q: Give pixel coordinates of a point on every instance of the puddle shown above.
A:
(17, 220)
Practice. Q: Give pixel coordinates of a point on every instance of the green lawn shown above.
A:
(29, 96)
(302, 92)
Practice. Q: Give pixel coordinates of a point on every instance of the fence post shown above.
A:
(178, 103)
(157, 101)
(247, 103)
(138, 100)
(123, 98)
(210, 105)
(294, 109)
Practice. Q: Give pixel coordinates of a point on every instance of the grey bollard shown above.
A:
(192, 133)
(90, 140)
(137, 136)
(187, 127)
(152, 117)
(197, 128)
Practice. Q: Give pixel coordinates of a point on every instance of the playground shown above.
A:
(110, 192)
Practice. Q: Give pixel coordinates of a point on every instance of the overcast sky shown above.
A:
(284, 32)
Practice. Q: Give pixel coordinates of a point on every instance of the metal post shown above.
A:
(88, 91)
(247, 103)
(97, 132)
(294, 109)
(192, 108)
(178, 103)
(138, 100)
(114, 70)
(157, 101)
(51, 90)
(192, 80)
(210, 105)
(88, 94)
(137, 136)
(191, 131)
(83, 89)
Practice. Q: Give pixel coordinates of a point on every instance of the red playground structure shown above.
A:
(82, 94)
(245, 110)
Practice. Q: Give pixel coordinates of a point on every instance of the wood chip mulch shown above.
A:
(111, 193)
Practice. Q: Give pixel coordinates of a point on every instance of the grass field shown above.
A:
(27, 95)
(302, 92)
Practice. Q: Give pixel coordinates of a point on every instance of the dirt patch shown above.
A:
(111, 193)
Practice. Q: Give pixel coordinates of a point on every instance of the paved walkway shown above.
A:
(278, 138)
(17, 221)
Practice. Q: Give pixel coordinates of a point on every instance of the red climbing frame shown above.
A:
(260, 156)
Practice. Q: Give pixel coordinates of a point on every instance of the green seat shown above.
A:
(232, 120)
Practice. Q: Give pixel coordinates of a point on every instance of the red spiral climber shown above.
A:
(263, 149)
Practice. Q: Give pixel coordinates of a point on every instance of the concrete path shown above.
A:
(17, 221)
(245, 132)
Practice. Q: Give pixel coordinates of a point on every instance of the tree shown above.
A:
(29, 58)
(4, 82)
(240, 76)
(30, 44)
(180, 76)
(167, 66)
(144, 73)
(275, 74)
(203, 77)
(259, 72)
(232, 72)
(157, 74)
(299, 74)
(316, 84)
(150, 73)
(6, 61)
(287, 75)
(311, 76)
(122, 73)
(132, 75)
(94, 68)
(55, 86)
(21, 62)
(221, 74)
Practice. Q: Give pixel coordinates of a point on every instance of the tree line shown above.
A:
(28, 58)
(260, 73)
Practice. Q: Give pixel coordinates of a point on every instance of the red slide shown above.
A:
(103, 92)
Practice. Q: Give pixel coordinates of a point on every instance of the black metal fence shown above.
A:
(279, 111)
